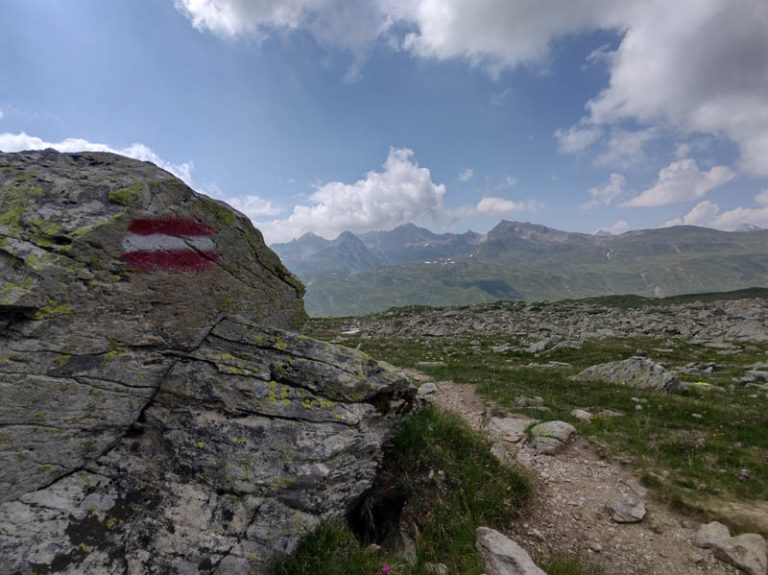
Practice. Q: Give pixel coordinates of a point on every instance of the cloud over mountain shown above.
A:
(401, 192)
(681, 181)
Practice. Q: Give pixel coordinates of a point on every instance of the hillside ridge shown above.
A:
(365, 273)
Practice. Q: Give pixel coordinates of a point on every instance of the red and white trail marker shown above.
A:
(169, 243)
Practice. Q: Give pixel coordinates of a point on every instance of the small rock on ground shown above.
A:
(502, 556)
(713, 534)
(551, 436)
(628, 509)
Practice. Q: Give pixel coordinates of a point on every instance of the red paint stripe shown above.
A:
(170, 227)
(187, 260)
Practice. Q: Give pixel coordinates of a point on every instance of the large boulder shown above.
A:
(105, 264)
(638, 372)
(157, 414)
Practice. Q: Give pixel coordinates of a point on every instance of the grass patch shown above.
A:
(722, 453)
(569, 564)
(331, 550)
(451, 485)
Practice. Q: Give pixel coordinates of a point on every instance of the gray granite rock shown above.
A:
(511, 429)
(502, 556)
(639, 372)
(627, 509)
(152, 421)
(746, 551)
(712, 534)
(551, 436)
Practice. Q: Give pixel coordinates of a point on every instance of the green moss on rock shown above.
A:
(126, 196)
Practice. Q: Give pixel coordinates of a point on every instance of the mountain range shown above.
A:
(410, 265)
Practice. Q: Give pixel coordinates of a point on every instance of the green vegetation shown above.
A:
(691, 445)
(568, 564)
(332, 550)
(451, 484)
(126, 196)
(222, 213)
(680, 260)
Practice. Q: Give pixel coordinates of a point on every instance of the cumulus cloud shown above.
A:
(466, 174)
(339, 23)
(402, 192)
(494, 34)
(606, 194)
(498, 34)
(618, 228)
(253, 206)
(681, 181)
(577, 138)
(697, 66)
(496, 205)
(702, 214)
(708, 214)
(19, 142)
(625, 148)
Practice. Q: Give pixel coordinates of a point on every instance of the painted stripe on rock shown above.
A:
(134, 242)
(169, 244)
(186, 260)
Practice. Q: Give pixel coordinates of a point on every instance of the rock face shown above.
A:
(156, 417)
(639, 372)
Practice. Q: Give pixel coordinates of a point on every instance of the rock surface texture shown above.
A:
(156, 413)
(748, 551)
(639, 372)
(551, 437)
(502, 556)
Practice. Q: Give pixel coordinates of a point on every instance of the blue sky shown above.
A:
(326, 115)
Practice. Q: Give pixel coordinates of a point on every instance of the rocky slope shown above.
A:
(155, 417)
(543, 326)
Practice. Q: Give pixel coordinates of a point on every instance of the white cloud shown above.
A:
(22, 141)
(402, 192)
(494, 34)
(496, 205)
(606, 194)
(625, 148)
(577, 138)
(466, 174)
(696, 65)
(618, 228)
(681, 181)
(761, 199)
(702, 214)
(253, 206)
(340, 23)
(682, 151)
(1, 114)
(708, 214)
(498, 34)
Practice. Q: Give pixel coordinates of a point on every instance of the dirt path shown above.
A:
(572, 490)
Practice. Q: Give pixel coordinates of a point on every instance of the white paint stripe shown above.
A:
(161, 242)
